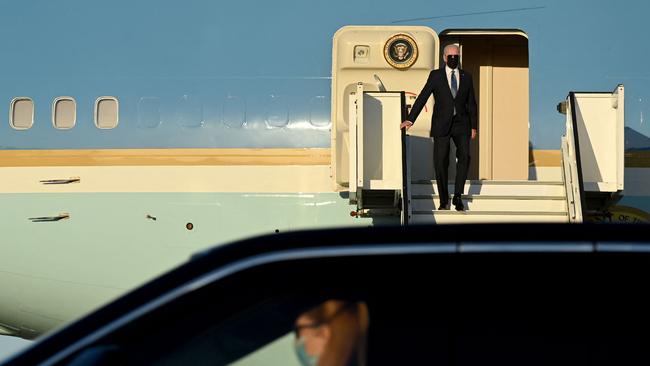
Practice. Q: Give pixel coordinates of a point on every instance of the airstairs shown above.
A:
(381, 167)
(492, 201)
(591, 173)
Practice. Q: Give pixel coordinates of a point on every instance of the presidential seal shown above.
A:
(401, 51)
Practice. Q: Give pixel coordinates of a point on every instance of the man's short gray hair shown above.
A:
(447, 47)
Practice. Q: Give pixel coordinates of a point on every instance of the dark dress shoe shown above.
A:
(444, 205)
(458, 202)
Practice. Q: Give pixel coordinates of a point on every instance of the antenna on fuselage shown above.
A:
(380, 85)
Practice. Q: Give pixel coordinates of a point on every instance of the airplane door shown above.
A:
(498, 62)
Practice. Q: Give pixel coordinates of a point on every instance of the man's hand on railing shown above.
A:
(406, 124)
(473, 133)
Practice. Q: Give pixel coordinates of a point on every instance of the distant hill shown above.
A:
(635, 140)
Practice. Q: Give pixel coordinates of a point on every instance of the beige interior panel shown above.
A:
(510, 114)
(64, 114)
(106, 112)
(22, 113)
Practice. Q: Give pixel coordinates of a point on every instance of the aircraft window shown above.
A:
(64, 113)
(234, 112)
(277, 112)
(149, 112)
(189, 112)
(319, 115)
(106, 112)
(21, 115)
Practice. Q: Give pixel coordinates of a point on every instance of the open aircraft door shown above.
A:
(367, 147)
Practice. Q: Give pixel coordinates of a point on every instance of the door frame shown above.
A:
(484, 93)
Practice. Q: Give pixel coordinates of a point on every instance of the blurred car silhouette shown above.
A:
(441, 295)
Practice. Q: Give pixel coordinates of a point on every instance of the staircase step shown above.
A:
(466, 217)
(496, 188)
(502, 204)
(497, 182)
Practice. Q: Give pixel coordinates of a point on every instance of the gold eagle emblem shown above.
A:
(401, 51)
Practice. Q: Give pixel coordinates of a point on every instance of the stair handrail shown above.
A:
(406, 174)
(572, 165)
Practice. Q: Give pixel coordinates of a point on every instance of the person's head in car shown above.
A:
(333, 333)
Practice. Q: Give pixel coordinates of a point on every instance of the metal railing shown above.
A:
(406, 173)
(571, 165)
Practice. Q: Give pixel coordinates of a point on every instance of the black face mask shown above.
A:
(452, 61)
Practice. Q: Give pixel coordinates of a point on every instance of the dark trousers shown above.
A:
(460, 134)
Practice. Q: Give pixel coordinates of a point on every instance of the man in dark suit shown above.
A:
(454, 117)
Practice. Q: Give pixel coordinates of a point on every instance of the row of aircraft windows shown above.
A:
(106, 113)
(64, 113)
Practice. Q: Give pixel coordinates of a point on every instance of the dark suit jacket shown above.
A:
(443, 108)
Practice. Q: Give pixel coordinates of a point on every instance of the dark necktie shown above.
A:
(454, 87)
(454, 84)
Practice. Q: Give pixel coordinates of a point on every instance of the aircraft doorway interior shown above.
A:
(498, 62)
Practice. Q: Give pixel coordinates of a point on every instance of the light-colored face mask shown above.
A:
(304, 358)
